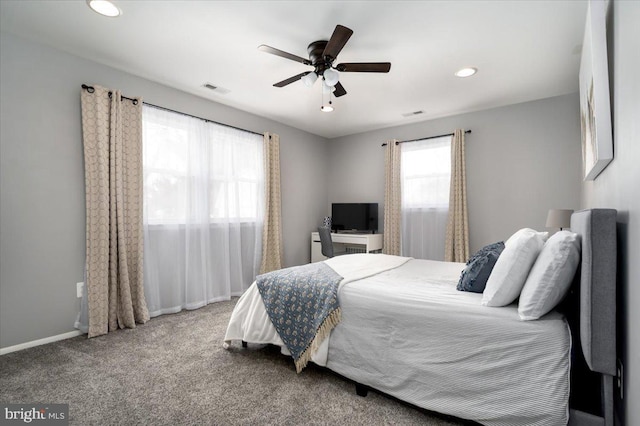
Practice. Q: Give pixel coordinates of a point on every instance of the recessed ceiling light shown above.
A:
(466, 72)
(105, 8)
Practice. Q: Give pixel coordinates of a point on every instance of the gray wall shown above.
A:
(42, 215)
(522, 160)
(618, 186)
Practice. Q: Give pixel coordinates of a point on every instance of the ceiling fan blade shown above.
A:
(339, 90)
(337, 41)
(283, 54)
(291, 79)
(364, 67)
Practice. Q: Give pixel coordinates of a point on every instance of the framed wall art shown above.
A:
(595, 109)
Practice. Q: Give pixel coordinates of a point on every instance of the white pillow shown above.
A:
(551, 275)
(512, 267)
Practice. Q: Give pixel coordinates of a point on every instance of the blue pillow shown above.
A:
(474, 277)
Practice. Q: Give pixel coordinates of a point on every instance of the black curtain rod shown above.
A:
(91, 89)
(430, 137)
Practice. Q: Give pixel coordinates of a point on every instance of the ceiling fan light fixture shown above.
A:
(466, 72)
(309, 79)
(104, 8)
(326, 89)
(331, 77)
(326, 108)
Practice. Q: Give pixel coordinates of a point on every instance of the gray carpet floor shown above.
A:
(174, 371)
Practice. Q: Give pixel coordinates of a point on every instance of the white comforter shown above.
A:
(408, 332)
(250, 322)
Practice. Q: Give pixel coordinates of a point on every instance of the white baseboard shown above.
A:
(39, 342)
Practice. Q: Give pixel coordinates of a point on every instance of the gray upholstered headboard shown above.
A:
(597, 229)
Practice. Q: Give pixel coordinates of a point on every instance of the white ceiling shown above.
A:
(524, 50)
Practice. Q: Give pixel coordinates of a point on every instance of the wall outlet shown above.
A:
(620, 378)
(79, 287)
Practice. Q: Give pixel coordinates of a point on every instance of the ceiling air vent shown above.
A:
(411, 114)
(217, 89)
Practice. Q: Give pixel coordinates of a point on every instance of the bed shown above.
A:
(406, 331)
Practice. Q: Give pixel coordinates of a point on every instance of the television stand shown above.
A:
(352, 243)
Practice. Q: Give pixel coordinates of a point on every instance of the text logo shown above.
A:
(35, 414)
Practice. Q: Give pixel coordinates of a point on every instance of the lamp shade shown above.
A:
(331, 77)
(559, 218)
(309, 79)
(327, 89)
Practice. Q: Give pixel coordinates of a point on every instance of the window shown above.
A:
(426, 173)
(426, 176)
(191, 164)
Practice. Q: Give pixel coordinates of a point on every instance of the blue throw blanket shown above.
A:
(302, 303)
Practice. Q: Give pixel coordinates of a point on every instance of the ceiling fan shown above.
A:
(322, 54)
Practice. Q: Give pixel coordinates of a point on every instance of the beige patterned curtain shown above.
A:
(272, 230)
(392, 201)
(457, 239)
(112, 137)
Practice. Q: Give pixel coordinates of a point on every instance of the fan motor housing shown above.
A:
(315, 50)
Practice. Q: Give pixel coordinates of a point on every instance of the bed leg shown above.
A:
(361, 390)
(244, 344)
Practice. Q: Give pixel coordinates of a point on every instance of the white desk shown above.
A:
(352, 243)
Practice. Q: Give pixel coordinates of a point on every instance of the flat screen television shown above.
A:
(354, 217)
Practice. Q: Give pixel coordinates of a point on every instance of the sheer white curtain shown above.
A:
(426, 175)
(203, 210)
